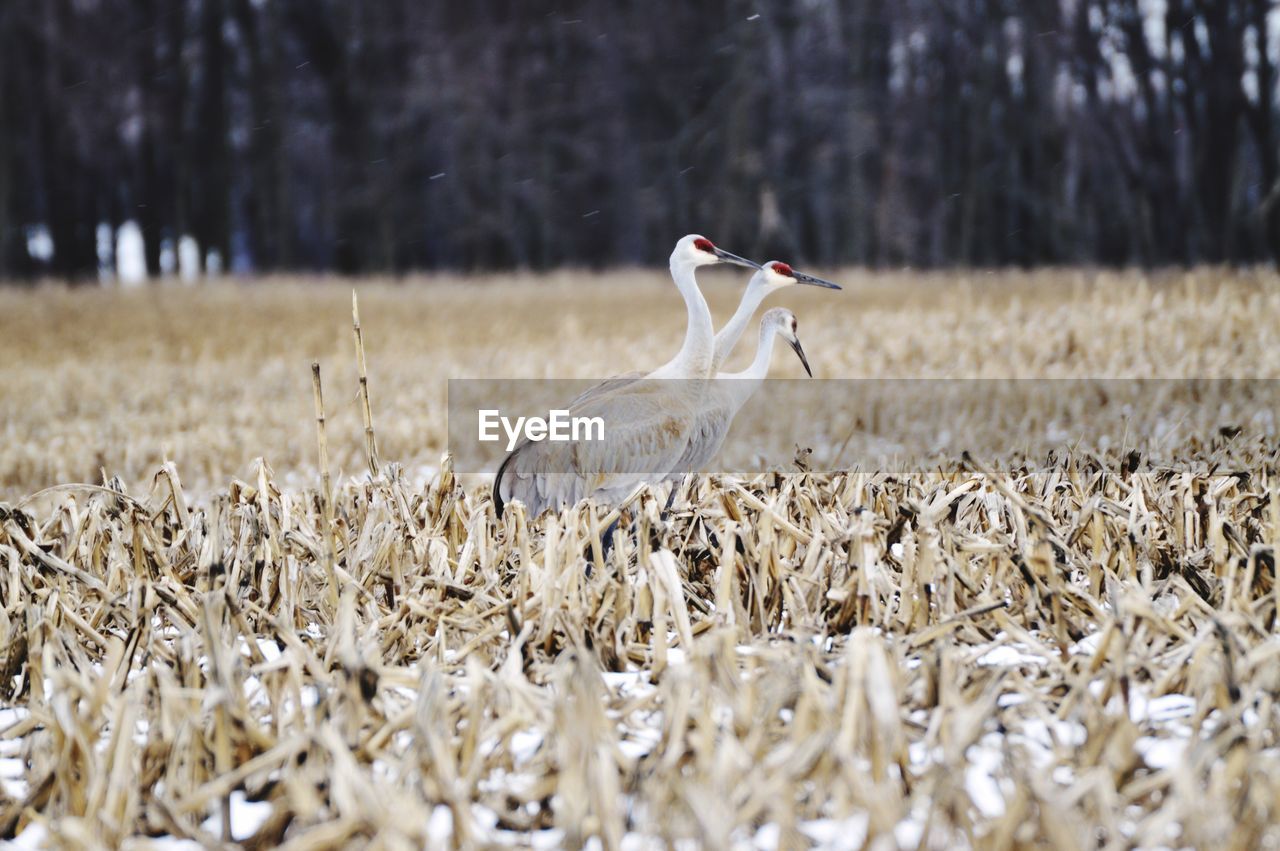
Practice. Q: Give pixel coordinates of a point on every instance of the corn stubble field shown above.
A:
(200, 646)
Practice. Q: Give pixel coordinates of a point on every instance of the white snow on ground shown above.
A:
(1008, 656)
(35, 836)
(909, 831)
(1157, 710)
(524, 744)
(246, 817)
(837, 833)
(1088, 645)
(826, 834)
(1166, 735)
(9, 717)
(13, 777)
(980, 780)
(1161, 753)
(987, 780)
(12, 767)
(269, 649)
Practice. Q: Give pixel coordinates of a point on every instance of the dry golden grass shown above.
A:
(1074, 654)
(213, 378)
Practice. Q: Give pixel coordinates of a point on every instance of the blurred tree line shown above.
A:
(402, 134)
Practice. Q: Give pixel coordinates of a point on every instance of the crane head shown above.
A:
(776, 274)
(697, 250)
(783, 322)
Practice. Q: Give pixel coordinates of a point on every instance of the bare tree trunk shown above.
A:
(15, 213)
(178, 190)
(1262, 120)
(69, 186)
(148, 194)
(211, 174)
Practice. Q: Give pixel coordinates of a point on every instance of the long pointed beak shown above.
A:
(795, 344)
(802, 278)
(726, 257)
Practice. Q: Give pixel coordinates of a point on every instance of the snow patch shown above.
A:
(246, 817)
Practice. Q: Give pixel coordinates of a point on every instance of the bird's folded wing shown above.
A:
(644, 435)
(705, 437)
(617, 382)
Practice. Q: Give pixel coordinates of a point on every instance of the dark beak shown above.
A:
(726, 257)
(795, 344)
(802, 278)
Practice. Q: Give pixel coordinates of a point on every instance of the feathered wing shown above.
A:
(609, 385)
(711, 424)
(646, 429)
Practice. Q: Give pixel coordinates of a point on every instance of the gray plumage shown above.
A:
(729, 391)
(646, 422)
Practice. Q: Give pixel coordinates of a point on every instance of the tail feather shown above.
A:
(498, 502)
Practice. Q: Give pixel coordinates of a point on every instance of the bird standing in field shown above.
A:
(769, 278)
(729, 391)
(647, 422)
(725, 398)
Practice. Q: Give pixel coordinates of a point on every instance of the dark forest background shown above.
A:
(373, 137)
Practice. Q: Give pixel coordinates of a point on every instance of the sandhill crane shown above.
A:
(769, 278)
(773, 276)
(726, 395)
(647, 422)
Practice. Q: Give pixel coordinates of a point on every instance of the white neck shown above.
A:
(694, 358)
(748, 381)
(732, 330)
